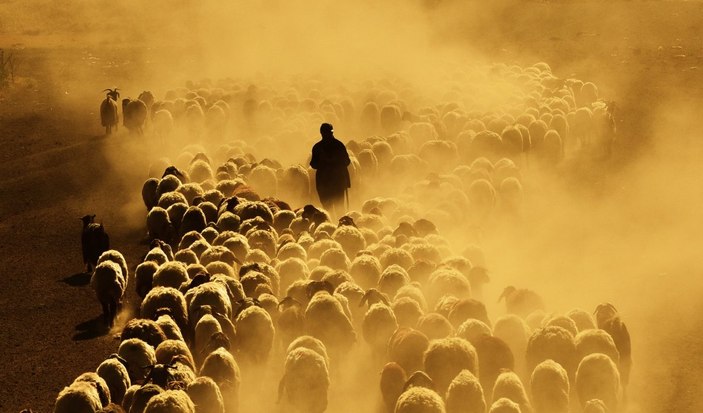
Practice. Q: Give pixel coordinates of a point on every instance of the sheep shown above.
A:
(138, 354)
(350, 238)
(305, 381)
(170, 274)
(582, 318)
(494, 356)
(549, 387)
(378, 326)
(205, 327)
(79, 397)
(393, 380)
(137, 397)
(465, 394)
(147, 330)
(326, 320)
(445, 358)
(206, 396)
(521, 301)
(221, 367)
(564, 322)
(366, 271)
(134, 113)
(109, 284)
(447, 281)
(397, 256)
(174, 348)
(608, 319)
(509, 386)
(434, 326)
(471, 330)
(94, 241)
(291, 321)
(407, 311)
(419, 400)
(554, 343)
(109, 116)
(170, 401)
(159, 224)
(213, 294)
(166, 298)
(406, 347)
(143, 276)
(116, 376)
(504, 405)
(468, 308)
(596, 341)
(597, 377)
(255, 333)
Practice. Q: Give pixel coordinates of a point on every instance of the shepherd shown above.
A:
(330, 160)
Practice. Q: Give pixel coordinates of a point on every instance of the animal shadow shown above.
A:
(93, 328)
(77, 280)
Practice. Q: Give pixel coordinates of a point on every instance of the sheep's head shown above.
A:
(419, 379)
(404, 228)
(87, 219)
(160, 374)
(245, 303)
(346, 220)
(373, 296)
(120, 359)
(314, 287)
(507, 292)
(216, 341)
(113, 94)
(289, 302)
(172, 170)
(604, 312)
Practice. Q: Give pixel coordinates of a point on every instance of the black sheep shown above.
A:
(94, 241)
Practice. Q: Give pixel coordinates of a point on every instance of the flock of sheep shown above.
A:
(253, 299)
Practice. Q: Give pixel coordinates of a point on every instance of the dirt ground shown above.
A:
(53, 170)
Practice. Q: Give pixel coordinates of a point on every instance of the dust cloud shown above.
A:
(625, 230)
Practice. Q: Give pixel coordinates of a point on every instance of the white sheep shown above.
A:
(597, 377)
(406, 347)
(378, 326)
(549, 387)
(445, 358)
(206, 395)
(326, 320)
(170, 401)
(79, 397)
(109, 284)
(554, 343)
(255, 333)
(160, 298)
(504, 405)
(465, 394)
(170, 274)
(509, 386)
(138, 355)
(220, 366)
(419, 400)
(305, 381)
(116, 376)
(173, 348)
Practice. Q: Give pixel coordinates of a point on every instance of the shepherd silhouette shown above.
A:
(330, 160)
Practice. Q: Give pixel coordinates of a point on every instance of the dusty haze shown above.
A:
(626, 231)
